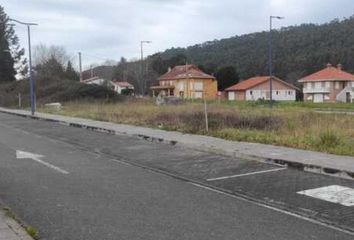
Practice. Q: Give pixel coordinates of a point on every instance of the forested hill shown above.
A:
(298, 50)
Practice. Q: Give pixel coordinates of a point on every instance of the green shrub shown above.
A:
(328, 139)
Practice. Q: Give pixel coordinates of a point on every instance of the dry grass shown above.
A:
(293, 126)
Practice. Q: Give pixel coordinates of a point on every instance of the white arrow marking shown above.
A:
(37, 158)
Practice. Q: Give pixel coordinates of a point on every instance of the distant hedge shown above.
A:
(54, 89)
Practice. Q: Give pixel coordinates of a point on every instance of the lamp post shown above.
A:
(143, 81)
(270, 60)
(31, 82)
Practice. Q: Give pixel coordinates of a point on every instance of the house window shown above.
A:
(318, 85)
(290, 93)
(337, 85)
(277, 92)
(308, 85)
(181, 86)
(328, 84)
(198, 94)
(251, 92)
(198, 86)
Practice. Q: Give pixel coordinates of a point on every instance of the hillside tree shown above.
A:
(12, 59)
(226, 76)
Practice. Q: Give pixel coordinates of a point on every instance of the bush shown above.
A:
(127, 92)
(328, 139)
(53, 89)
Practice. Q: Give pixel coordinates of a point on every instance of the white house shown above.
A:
(330, 84)
(115, 85)
(257, 88)
(119, 86)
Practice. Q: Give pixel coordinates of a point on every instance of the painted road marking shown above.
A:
(335, 194)
(276, 209)
(245, 174)
(37, 158)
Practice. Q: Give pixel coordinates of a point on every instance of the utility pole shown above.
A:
(142, 79)
(270, 60)
(31, 80)
(80, 66)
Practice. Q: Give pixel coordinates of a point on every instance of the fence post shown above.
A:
(19, 101)
(206, 114)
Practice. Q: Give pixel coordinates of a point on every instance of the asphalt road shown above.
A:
(84, 188)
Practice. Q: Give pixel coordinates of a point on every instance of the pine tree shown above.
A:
(11, 55)
(226, 76)
(70, 72)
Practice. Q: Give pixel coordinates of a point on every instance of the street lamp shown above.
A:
(31, 82)
(270, 60)
(143, 81)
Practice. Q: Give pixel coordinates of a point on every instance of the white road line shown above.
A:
(298, 216)
(122, 162)
(245, 174)
(276, 209)
(58, 169)
(36, 158)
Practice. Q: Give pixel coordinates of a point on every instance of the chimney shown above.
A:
(339, 66)
(169, 69)
(329, 65)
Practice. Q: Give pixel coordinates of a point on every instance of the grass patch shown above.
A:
(294, 125)
(32, 232)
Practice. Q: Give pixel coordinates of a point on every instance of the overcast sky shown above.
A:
(109, 29)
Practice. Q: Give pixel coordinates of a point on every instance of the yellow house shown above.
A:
(186, 81)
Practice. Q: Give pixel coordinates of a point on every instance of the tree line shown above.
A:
(298, 51)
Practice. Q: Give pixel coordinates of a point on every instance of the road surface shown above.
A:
(71, 183)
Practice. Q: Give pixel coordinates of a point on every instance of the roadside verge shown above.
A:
(329, 164)
(10, 229)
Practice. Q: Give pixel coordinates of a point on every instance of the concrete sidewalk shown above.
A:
(10, 229)
(342, 166)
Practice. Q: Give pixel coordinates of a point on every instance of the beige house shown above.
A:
(257, 88)
(186, 81)
(331, 84)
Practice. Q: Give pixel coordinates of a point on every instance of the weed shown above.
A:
(328, 139)
(32, 232)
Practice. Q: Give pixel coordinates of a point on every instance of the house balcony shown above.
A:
(316, 90)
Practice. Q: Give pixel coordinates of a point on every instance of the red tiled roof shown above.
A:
(123, 84)
(255, 81)
(183, 72)
(330, 73)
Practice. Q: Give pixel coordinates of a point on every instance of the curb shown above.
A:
(334, 172)
(13, 227)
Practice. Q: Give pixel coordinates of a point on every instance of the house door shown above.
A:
(232, 96)
(349, 100)
(318, 98)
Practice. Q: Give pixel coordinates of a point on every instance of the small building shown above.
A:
(186, 81)
(120, 86)
(115, 85)
(94, 80)
(331, 84)
(257, 88)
